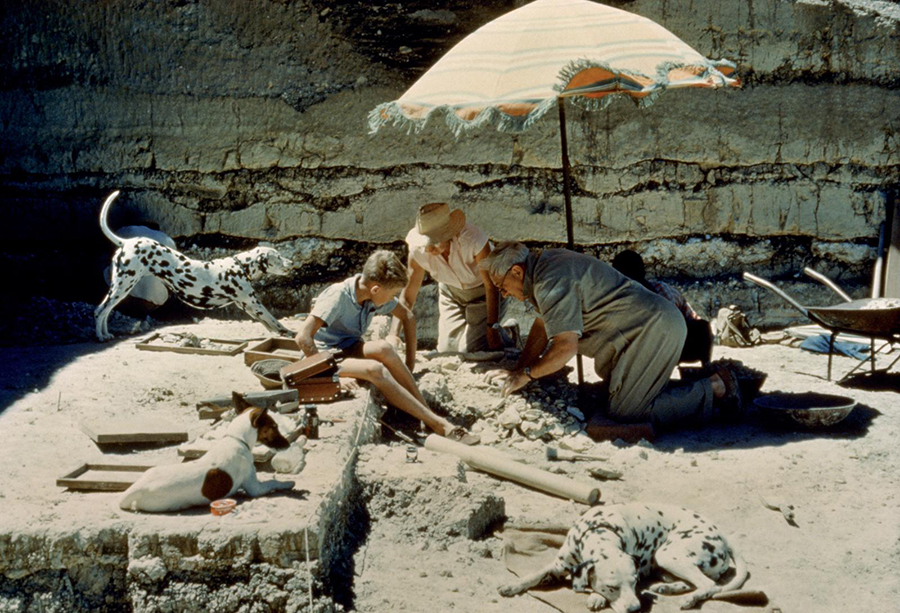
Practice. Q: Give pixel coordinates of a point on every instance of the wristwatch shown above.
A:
(527, 371)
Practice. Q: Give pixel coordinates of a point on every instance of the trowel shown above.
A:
(554, 454)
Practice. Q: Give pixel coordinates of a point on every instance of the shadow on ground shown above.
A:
(757, 432)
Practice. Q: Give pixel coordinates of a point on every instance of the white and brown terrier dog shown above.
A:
(223, 470)
(203, 285)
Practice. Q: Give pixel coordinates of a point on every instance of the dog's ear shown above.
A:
(240, 404)
(257, 416)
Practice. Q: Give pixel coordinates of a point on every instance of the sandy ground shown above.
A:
(844, 482)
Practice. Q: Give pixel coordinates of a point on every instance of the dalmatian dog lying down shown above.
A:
(609, 549)
(203, 285)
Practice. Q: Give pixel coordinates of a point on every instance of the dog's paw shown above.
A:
(509, 590)
(285, 485)
(673, 588)
(691, 602)
(595, 602)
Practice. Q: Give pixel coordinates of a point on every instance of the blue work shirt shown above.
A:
(346, 320)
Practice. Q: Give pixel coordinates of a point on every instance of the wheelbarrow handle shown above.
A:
(771, 286)
(828, 282)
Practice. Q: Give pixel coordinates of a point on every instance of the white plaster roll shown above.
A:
(494, 462)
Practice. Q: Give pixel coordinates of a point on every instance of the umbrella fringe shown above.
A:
(650, 93)
(392, 113)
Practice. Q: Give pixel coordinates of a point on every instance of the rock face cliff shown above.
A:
(232, 122)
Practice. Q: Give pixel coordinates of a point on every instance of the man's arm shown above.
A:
(408, 296)
(405, 316)
(492, 299)
(534, 345)
(563, 348)
(304, 338)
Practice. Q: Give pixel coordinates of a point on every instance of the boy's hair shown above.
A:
(384, 268)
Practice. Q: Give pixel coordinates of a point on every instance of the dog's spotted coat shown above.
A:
(203, 285)
(609, 549)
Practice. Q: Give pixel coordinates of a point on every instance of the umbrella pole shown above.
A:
(567, 193)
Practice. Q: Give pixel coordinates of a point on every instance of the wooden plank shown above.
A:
(234, 347)
(102, 477)
(264, 399)
(134, 430)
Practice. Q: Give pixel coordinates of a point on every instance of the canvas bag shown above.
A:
(733, 330)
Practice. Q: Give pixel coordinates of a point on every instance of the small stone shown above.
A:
(576, 412)
(509, 418)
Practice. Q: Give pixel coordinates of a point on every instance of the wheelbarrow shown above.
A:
(875, 318)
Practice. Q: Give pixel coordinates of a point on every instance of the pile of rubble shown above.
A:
(526, 421)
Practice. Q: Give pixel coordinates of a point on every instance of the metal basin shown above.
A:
(861, 316)
(269, 372)
(807, 409)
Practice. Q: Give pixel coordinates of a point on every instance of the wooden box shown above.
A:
(274, 347)
(318, 389)
(319, 365)
(102, 477)
(228, 347)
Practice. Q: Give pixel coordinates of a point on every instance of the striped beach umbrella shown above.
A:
(514, 69)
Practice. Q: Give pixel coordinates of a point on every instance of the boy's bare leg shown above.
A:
(385, 353)
(380, 376)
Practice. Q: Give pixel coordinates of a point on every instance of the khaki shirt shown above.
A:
(578, 293)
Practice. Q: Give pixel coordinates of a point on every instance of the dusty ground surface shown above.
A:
(843, 482)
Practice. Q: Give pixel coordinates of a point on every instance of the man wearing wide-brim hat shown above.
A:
(449, 249)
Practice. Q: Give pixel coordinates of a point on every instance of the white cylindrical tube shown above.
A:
(494, 462)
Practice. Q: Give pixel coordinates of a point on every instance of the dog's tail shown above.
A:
(740, 571)
(103, 226)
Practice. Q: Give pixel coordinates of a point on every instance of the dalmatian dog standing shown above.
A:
(203, 285)
(609, 549)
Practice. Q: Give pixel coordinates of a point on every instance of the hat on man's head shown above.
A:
(437, 223)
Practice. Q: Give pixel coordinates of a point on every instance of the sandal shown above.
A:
(460, 435)
(731, 405)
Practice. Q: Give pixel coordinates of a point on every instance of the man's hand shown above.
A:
(497, 376)
(508, 380)
(516, 380)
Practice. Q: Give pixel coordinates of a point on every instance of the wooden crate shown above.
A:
(273, 348)
(102, 477)
(232, 347)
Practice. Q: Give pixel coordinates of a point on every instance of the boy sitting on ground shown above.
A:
(338, 320)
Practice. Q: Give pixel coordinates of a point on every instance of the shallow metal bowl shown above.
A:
(807, 409)
(269, 372)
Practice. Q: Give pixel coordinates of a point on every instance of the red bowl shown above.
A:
(223, 506)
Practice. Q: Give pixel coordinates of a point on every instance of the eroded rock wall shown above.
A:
(233, 122)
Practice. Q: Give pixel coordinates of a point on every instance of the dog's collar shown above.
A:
(240, 440)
